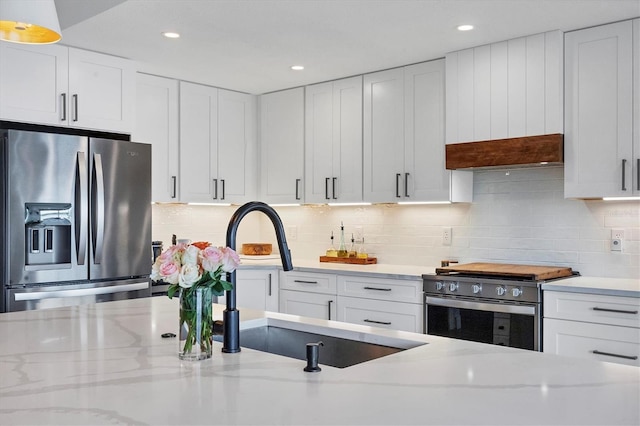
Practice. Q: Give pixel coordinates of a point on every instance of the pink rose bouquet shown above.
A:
(196, 265)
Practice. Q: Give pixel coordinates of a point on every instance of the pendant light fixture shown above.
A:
(31, 22)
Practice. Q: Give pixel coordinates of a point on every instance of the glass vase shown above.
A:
(196, 324)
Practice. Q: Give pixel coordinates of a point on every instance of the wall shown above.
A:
(519, 216)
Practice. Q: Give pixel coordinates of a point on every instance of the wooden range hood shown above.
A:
(501, 153)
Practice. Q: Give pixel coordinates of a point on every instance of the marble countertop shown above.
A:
(594, 285)
(106, 363)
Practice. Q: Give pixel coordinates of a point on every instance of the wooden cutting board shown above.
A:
(531, 272)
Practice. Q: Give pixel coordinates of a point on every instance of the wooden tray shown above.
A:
(531, 272)
(351, 260)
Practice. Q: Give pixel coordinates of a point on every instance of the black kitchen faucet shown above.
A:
(231, 316)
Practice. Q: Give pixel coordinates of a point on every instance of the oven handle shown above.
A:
(482, 306)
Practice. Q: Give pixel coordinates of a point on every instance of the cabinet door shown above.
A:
(312, 305)
(319, 177)
(33, 83)
(598, 111)
(198, 143)
(157, 124)
(236, 154)
(257, 289)
(383, 119)
(282, 146)
(425, 176)
(595, 341)
(101, 91)
(347, 140)
(378, 313)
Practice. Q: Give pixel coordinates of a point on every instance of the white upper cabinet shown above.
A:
(217, 145)
(237, 147)
(157, 124)
(602, 139)
(505, 90)
(333, 141)
(60, 86)
(282, 146)
(404, 138)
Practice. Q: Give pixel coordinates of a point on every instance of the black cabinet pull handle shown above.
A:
(222, 180)
(269, 284)
(175, 179)
(63, 107)
(376, 288)
(215, 189)
(75, 107)
(617, 311)
(378, 322)
(624, 166)
(329, 307)
(297, 189)
(597, 352)
(333, 188)
(398, 185)
(406, 185)
(326, 188)
(305, 282)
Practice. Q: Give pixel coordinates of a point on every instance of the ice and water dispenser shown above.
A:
(48, 235)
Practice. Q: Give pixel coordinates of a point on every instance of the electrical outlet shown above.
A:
(617, 235)
(292, 233)
(446, 236)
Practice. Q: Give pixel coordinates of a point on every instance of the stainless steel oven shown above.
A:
(486, 305)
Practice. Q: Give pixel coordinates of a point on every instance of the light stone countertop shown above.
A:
(106, 363)
(596, 285)
(593, 285)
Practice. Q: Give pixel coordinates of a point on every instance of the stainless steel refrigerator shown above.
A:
(75, 219)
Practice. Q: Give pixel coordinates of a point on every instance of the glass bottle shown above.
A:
(331, 251)
(342, 249)
(362, 252)
(352, 250)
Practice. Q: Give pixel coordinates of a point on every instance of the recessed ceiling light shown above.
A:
(297, 67)
(465, 27)
(170, 34)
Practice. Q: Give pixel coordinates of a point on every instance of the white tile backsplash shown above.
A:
(518, 216)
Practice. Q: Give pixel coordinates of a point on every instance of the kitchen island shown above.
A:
(107, 363)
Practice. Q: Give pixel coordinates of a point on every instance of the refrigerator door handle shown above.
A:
(98, 209)
(82, 197)
(122, 288)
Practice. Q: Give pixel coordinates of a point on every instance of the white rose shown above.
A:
(189, 275)
(190, 255)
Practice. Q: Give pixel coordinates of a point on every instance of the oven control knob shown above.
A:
(516, 292)
(477, 288)
(439, 285)
(453, 287)
(501, 291)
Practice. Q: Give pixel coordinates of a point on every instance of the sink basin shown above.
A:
(342, 348)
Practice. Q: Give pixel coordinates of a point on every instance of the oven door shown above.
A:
(514, 325)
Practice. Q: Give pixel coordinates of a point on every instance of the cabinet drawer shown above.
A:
(308, 281)
(381, 289)
(308, 304)
(377, 313)
(613, 310)
(596, 341)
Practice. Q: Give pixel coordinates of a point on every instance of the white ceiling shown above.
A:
(249, 45)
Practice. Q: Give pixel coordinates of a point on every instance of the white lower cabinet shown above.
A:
(358, 299)
(257, 289)
(606, 328)
(380, 313)
(313, 305)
